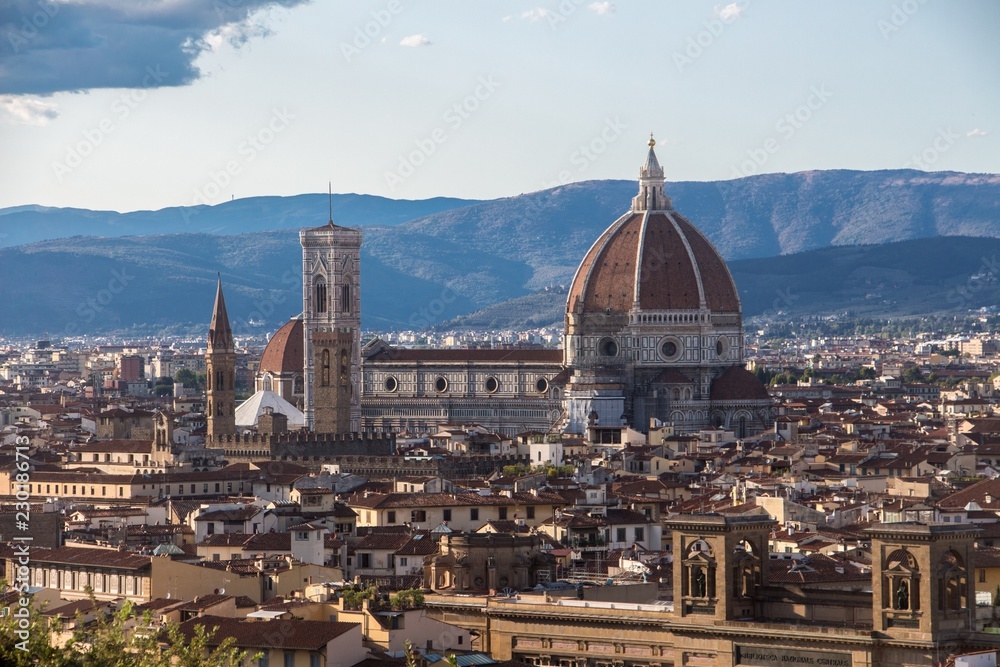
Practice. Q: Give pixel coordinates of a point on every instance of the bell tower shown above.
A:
(720, 566)
(220, 363)
(923, 580)
(331, 318)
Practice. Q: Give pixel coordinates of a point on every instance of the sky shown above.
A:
(146, 104)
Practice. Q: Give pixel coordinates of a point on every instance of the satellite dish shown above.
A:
(168, 596)
(222, 591)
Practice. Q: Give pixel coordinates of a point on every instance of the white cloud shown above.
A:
(238, 33)
(535, 15)
(602, 8)
(415, 41)
(21, 110)
(730, 12)
(977, 133)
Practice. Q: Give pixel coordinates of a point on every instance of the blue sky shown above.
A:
(127, 106)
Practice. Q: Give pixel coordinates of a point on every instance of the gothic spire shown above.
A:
(220, 335)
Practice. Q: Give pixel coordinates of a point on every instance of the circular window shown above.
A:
(492, 384)
(542, 385)
(391, 384)
(440, 384)
(670, 348)
(721, 347)
(608, 347)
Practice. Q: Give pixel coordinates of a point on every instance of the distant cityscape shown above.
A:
(654, 483)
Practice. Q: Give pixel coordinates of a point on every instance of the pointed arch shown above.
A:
(347, 294)
(319, 294)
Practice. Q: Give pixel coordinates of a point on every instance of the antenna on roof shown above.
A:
(330, 184)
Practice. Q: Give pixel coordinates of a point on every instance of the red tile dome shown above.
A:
(283, 353)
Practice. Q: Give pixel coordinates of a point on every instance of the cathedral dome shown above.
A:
(283, 353)
(652, 259)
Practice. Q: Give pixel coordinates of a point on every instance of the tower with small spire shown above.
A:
(220, 362)
(651, 195)
(331, 323)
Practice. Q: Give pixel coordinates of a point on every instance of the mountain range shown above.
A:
(827, 240)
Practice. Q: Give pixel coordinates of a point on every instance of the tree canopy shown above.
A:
(120, 638)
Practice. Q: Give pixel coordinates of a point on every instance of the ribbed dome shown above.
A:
(283, 353)
(678, 268)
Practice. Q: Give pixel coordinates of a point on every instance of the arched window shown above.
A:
(901, 582)
(298, 385)
(747, 570)
(266, 384)
(345, 296)
(699, 572)
(345, 370)
(952, 582)
(320, 295)
(325, 369)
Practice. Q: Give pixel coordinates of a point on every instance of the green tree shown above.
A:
(163, 386)
(518, 470)
(354, 596)
(113, 640)
(407, 599)
(411, 656)
(25, 640)
(189, 378)
(197, 651)
(912, 375)
(121, 638)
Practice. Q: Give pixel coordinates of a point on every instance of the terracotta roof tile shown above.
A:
(280, 634)
(283, 353)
